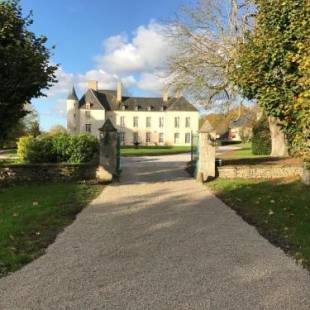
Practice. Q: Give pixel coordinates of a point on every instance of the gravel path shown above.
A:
(158, 240)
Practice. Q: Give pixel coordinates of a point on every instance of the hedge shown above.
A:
(261, 140)
(57, 148)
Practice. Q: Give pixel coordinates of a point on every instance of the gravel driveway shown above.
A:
(158, 240)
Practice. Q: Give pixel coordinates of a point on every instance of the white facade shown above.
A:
(147, 127)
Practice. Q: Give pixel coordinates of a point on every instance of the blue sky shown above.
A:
(105, 40)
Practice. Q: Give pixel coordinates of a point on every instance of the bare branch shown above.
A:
(205, 38)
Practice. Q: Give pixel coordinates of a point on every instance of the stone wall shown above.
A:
(259, 172)
(47, 172)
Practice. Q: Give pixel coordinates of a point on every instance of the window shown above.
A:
(135, 121)
(161, 137)
(161, 122)
(88, 127)
(148, 122)
(177, 122)
(188, 122)
(87, 106)
(187, 138)
(135, 137)
(122, 137)
(122, 121)
(177, 138)
(124, 107)
(87, 114)
(148, 137)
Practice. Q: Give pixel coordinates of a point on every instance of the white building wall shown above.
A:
(96, 120)
(168, 129)
(171, 130)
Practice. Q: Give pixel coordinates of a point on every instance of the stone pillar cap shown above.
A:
(107, 126)
(206, 127)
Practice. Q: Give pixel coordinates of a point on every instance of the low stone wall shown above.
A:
(46, 172)
(259, 172)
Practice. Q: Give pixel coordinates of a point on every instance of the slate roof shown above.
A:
(106, 99)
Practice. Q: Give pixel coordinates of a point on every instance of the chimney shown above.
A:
(119, 92)
(166, 94)
(92, 84)
(178, 93)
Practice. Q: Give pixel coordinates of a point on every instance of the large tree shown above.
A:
(25, 69)
(272, 67)
(205, 38)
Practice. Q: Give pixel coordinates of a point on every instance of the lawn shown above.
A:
(8, 157)
(128, 151)
(244, 156)
(245, 151)
(280, 210)
(32, 215)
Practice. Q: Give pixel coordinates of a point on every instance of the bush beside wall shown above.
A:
(57, 148)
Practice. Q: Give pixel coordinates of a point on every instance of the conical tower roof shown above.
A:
(72, 95)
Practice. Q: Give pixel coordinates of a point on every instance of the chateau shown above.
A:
(148, 121)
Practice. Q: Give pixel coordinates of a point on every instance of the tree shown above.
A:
(25, 69)
(272, 67)
(34, 129)
(28, 125)
(205, 40)
(57, 129)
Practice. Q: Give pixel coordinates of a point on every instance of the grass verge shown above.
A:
(280, 210)
(153, 150)
(31, 216)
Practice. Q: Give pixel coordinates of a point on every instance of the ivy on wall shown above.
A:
(273, 67)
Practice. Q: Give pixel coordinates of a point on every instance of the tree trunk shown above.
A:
(278, 140)
(306, 175)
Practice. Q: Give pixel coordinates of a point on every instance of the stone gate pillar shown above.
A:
(108, 156)
(206, 164)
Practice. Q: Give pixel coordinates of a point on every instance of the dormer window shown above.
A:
(87, 106)
(162, 108)
(124, 107)
(150, 108)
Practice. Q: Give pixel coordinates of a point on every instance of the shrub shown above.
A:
(40, 150)
(22, 144)
(82, 148)
(62, 146)
(57, 148)
(228, 142)
(261, 140)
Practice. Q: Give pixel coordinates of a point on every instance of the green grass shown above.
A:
(10, 157)
(31, 216)
(244, 152)
(127, 151)
(279, 209)
(10, 153)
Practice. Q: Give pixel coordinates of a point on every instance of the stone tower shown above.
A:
(72, 113)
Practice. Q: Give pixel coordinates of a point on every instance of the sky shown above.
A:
(104, 40)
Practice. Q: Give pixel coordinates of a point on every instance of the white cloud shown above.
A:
(152, 82)
(65, 82)
(147, 51)
(138, 61)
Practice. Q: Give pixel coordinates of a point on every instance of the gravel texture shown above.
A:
(158, 240)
